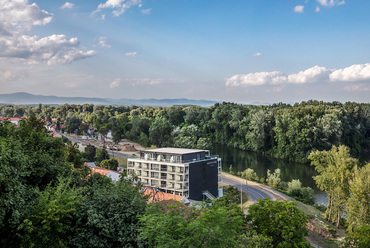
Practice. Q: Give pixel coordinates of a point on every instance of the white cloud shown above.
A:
(17, 19)
(256, 54)
(146, 11)
(317, 9)
(67, 5)
(253, 79)
(314, 74)
(148, 81)
(143, 81)
(331, 3)
(131, 54)
(119, 6)
(19, 16)
(352, 73)
(103, 42)
(115, 83)
(299, 8)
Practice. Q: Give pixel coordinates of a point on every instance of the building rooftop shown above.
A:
(172, 150)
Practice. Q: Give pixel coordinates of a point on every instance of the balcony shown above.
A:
(154, 175)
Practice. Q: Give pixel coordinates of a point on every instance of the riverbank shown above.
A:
(316, 217)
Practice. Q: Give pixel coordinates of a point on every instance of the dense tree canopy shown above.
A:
(175, 225)
(282, 221)
(285, 131)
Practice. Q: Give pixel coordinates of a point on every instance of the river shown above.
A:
(241, 160)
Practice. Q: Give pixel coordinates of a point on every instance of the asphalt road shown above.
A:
(254, 192)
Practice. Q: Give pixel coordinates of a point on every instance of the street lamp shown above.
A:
(318, 229)
(241, 195)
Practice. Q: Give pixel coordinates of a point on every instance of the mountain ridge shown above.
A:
(24, 98)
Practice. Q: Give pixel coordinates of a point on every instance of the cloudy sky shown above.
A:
(242, 51)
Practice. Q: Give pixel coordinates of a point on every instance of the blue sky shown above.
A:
(242, 51)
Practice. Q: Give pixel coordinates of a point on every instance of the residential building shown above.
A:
(192, 173)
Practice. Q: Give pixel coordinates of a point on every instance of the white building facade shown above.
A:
(185, 172)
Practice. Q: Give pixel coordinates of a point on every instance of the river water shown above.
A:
(241, 160)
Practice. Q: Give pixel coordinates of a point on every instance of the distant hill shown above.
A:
(23, 98)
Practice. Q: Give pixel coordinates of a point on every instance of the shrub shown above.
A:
(250, 174)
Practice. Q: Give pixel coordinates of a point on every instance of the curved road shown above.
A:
(254, 192)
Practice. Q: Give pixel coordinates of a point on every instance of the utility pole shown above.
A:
(241, 195)
(318, 229)
(246, 183)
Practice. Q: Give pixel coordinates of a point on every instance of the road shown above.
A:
(109, 152)
(254, 192)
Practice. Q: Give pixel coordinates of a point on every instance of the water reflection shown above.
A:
(241, 160)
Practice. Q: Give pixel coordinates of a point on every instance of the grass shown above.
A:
(121, 160)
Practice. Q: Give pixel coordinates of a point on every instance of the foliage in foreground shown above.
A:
(282, 221)
(175, 225)
(46, 202)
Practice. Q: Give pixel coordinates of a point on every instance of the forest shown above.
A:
(280, 130)
(46, 201)
(48, 196)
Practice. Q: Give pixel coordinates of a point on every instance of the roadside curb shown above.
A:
(278, 195)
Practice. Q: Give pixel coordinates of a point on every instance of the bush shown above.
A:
(273, 180)
(250, 174)
(322, 208)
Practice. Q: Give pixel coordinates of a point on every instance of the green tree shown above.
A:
(52, 217)
(273, 179)
(108, 217)
(251, 239)
(204, 144)
(176, 225)
(358, 203)
(250, 174)
(73, 155)
(110, 164)
(160, 132)
(358, 238)
(72, 124)
(303, 194)
(30, 160)
(282, 221)
(90, 151)
(335, 168)
(101, 154)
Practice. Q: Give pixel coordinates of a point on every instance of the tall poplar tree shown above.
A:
(335, 168)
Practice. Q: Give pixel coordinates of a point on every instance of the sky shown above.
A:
(243, 51)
